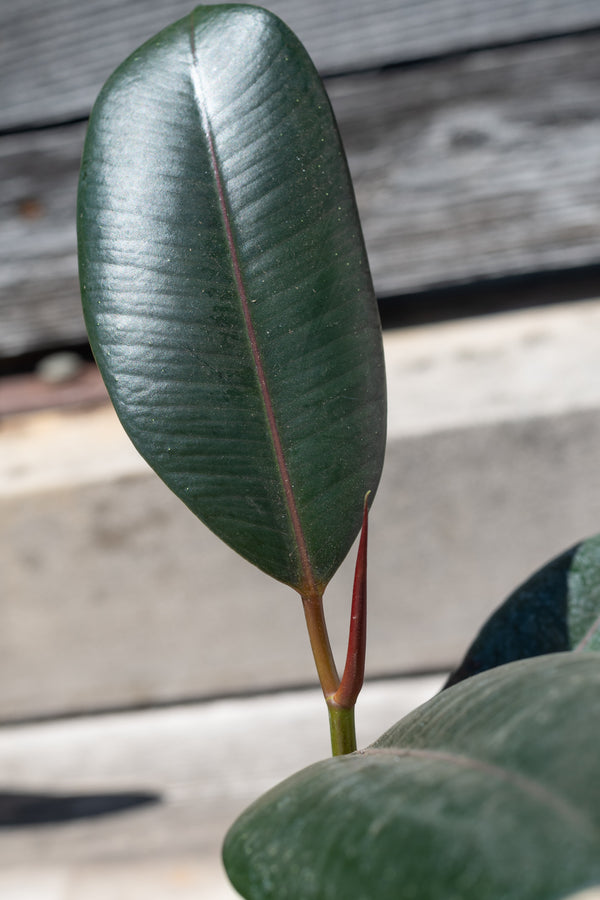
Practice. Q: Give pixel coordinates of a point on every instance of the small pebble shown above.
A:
(59, 367)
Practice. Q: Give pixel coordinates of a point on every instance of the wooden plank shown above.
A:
(39, 293)
(440, 377)
(114, 595)
(481, 166)
(175, 877)
(207, 762)
(478, 166)
(55, 56)
(30, 392)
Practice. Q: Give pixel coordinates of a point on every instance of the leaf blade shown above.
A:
(252, 335)
(491, 789)
(556, 609)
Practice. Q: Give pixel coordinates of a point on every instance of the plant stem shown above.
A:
(319, 642)
(341, 720)
(341, 726)
(341, 696)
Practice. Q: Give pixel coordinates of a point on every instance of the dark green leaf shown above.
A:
(556, 609)
(226, 289)
(491, 791)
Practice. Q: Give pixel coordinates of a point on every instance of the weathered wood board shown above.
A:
(479, 165)
(55, 56)
(484, 165)
(114, 595)
(205, 762)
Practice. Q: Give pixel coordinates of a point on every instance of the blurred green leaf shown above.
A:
(557, 609)
(490, 791)
(226, 288)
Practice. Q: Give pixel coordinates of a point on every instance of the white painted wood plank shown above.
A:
(113, 594)
(207, 761)
(440, 377)
(507, 367)
(179, 878)
(71, 862)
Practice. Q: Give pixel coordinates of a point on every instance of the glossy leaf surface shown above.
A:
(226, 289)
(490, 791)
(557, 609)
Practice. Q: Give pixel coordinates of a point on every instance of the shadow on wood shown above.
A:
(19, 809)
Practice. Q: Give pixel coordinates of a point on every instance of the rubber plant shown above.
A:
(230, 308)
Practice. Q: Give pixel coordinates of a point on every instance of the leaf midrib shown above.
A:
(588, 636)
(524, 783)
(309, 586)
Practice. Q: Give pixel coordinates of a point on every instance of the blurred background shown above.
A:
(144, 670)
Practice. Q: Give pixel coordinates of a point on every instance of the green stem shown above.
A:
(343, 732)
(341, 719)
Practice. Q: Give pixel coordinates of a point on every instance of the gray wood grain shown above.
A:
(39, 293)
(476, 166)
(484, 165)
(54, 57)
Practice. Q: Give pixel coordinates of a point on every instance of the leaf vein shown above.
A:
(522, 782)
(309, 587)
